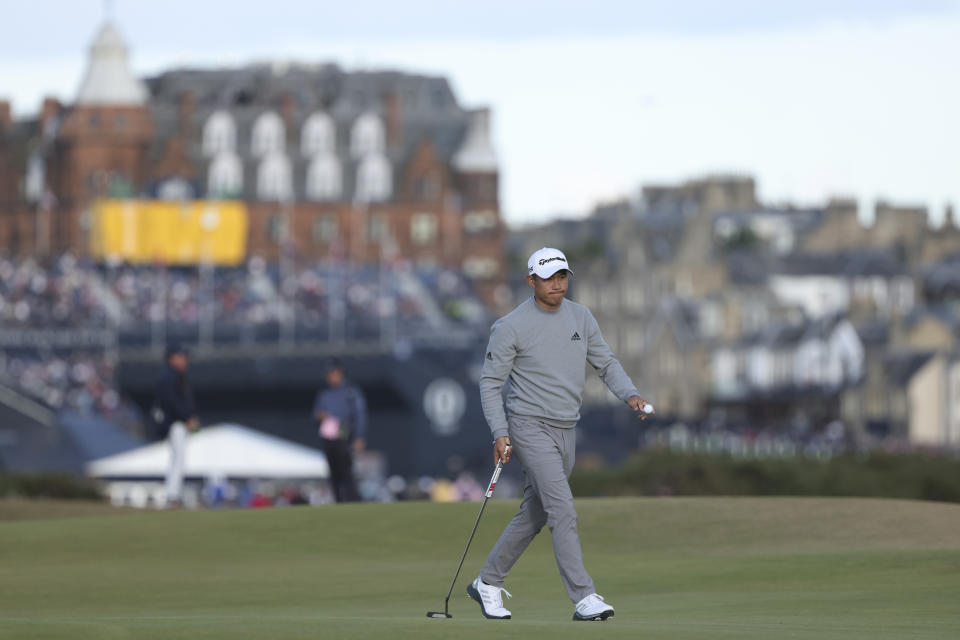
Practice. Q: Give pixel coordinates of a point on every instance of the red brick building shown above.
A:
(360, 165)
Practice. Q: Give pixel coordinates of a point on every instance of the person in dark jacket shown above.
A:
(341, 414)
(175, 414)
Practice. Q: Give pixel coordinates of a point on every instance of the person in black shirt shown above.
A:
(175, 415)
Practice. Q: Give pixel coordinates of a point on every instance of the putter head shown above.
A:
(438, 614)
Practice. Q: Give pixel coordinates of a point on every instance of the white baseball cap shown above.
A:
(546, 262)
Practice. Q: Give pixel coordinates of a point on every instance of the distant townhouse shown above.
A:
(358, 165)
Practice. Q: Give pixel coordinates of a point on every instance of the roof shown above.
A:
(846, 264)
(942, 279)
(223, 450)
(942, 313)
(427, 111)
(901, 367)
(874, 333)
(748, 267)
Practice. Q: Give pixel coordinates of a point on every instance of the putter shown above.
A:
(493, 483)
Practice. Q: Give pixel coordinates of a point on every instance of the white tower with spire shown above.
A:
(106, 133)
(109, 80)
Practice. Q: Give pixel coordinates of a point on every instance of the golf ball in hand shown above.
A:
(648, 408)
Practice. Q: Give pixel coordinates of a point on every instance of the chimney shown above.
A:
(187, 108)
(393, 116)
(51, 109)
(5, 120)
(841, 207)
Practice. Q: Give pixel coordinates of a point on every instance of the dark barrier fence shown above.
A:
(659, 472)
(62, 486)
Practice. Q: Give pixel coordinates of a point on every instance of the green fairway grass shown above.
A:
(672, 567)
(45, 509)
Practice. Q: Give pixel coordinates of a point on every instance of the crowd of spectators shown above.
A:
(64, 293)
(78, 379)
(178, 296)
(72, 293)
(251, 302)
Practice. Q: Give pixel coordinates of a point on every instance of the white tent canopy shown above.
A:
(225, 450)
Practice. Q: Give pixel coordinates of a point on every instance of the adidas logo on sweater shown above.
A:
(575, 336)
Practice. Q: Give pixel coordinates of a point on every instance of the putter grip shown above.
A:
(496, 475)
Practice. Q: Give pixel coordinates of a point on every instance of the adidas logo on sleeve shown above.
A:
(575, 336)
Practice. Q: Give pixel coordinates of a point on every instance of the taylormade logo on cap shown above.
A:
(546, 262)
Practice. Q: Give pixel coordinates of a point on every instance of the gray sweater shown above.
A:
(544, 355)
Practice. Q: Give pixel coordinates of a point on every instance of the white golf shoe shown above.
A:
(592, 608)
(491, 604)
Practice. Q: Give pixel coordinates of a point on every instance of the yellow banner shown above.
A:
(161, 231)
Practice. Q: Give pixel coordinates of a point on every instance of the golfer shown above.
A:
(542, 348)
(175, 413)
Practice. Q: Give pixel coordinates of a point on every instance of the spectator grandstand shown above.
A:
(63, 322)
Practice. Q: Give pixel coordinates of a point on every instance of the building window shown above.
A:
(711, 320)
(477, 267)
(268, 134)
(274, 178)
(219, 134)
(367, 136)
(225, 177)
(479, 221)
(754, 317)
(324, 178)
(277, 227)
(377, 228)
(35, 180)
(318, 135)
(325, 229)
(423, 228)
(374, 178)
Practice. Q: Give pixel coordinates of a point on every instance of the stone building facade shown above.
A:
(362, 165)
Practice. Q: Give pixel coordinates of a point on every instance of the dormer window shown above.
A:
(367, 136)
(219, 134)
(275, 178)
(268, 135)
(374, 179)
(318, 135)
(225, 177)
(324, 178)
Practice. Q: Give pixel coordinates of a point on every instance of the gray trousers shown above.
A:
(546, 454)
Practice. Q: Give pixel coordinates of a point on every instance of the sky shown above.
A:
(591, 100)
